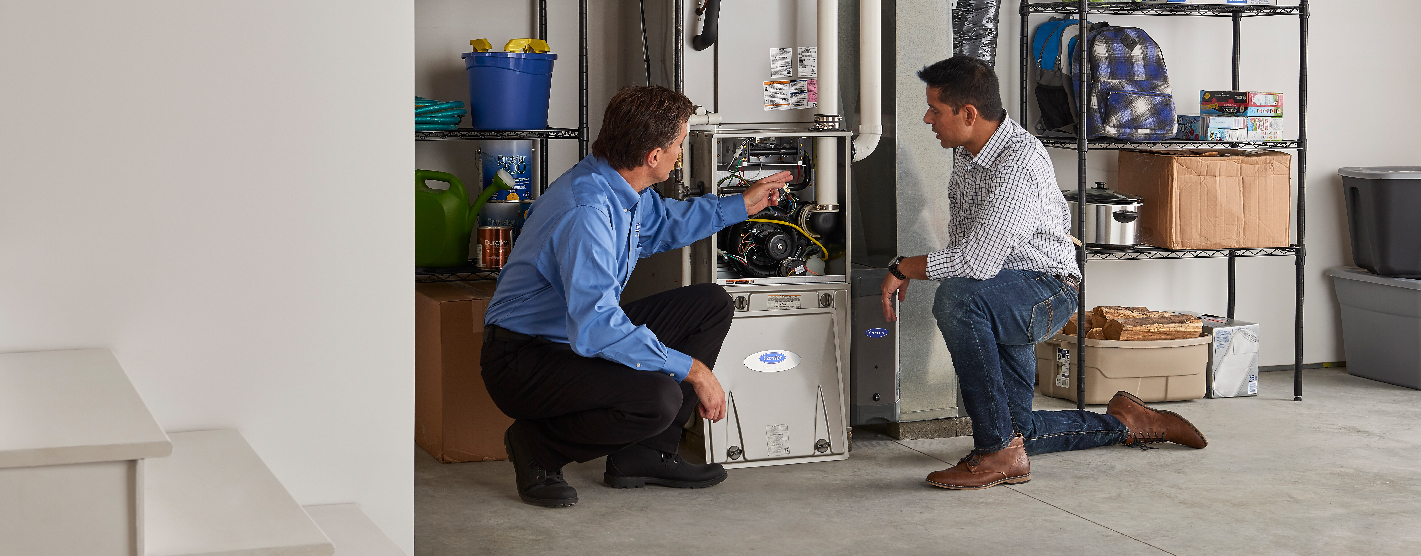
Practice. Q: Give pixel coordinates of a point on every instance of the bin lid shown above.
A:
(1381, 172)
(1361, 275)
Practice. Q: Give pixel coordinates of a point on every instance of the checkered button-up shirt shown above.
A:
(1007, 212)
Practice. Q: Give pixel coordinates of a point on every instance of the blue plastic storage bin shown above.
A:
(509, 90)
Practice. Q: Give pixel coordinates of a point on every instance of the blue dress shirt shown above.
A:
(582, 238)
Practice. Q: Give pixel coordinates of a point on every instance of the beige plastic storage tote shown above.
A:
(1156, 371)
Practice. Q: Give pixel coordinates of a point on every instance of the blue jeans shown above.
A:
(991, 328)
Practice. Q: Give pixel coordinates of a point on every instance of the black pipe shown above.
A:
(680, 45)
(1238, 46)
(710, 24)
(583, 136)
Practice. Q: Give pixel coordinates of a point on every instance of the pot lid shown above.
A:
(1099, 195)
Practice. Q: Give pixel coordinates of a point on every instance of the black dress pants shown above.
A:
(575, 408)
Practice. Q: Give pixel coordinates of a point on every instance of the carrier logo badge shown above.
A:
(876, 332)
(772, 361)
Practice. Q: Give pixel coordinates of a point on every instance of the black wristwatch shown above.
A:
(893, 268)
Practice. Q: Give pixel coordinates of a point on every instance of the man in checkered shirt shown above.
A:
(1008, 280)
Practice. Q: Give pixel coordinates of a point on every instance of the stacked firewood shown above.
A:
(1136, 323)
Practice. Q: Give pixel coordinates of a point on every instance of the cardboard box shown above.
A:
(1210, 199)
(1212, 128)
(1155, 370)
(1264, 129)
(1240, 103)
(1233, 360)
(454, 418)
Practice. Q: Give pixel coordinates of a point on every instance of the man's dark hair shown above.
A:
(639, 120)
(962, 80)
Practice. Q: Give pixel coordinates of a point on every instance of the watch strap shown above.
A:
(893, 268)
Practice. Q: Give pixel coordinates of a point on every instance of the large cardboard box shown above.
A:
(1210, 199)
(454, 418)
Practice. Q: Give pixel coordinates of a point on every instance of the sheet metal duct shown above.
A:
(974, 28)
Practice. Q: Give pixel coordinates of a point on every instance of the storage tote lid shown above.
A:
(1381, 172)
(1361, 275)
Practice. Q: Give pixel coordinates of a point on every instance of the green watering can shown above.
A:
(443, 219)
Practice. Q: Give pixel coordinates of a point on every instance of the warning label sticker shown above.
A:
(781, 64)
(777, 436)
(790, 94)
(780, 302)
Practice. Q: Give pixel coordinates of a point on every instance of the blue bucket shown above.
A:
(509, 90)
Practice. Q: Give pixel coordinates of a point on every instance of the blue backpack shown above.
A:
(1128, 94)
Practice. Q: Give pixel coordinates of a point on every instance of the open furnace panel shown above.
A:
(800, 240)
(784, 364)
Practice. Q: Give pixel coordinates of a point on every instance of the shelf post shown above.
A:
(1024, 10)
(542, 143)
(1301, 257)
(1082, 149)
(1238, 46)
(1233, 275)
(583, 135)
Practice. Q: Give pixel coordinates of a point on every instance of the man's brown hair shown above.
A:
(639, 120)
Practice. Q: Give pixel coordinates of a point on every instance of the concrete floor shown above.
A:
(1337, 473)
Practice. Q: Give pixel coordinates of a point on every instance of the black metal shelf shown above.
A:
(1146, 252)
(469, 134)
(1071, 143)
(1146, 8)
(1080, 11)
(464, 273)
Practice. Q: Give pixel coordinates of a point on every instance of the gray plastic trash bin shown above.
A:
(1381, 325)
(1382, 203)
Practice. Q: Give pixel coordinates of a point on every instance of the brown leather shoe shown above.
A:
(978, 471)
(1153, 425)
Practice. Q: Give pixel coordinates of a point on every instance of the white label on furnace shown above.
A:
(780, 302)
(789, 94)
(781, 65)
(808, 61)
(777, 436)
(772, 361)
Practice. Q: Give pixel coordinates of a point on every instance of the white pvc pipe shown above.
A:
(870, 78)
(826, 157)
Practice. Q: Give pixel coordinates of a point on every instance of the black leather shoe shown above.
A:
(536, 486)
(637, 466)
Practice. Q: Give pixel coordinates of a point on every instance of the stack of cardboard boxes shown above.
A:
(1234, 116)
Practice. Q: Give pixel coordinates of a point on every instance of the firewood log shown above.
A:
(1175, 327)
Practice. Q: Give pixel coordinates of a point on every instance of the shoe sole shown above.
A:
(1141, 402)
(616, 481)
(563, 503)
(540, 502)
(1008, 481)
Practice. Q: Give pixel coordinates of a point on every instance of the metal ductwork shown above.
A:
(974, 28)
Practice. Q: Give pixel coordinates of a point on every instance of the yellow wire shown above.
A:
(801, 230)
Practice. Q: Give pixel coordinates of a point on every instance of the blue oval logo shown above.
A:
(876, 332)
(772, 357)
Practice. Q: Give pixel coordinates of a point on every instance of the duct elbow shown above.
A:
(867, 141)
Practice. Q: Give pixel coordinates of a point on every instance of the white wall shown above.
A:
(219, 192)
(1360, 73)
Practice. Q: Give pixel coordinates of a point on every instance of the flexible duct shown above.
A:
(974, 28)
(709, 18)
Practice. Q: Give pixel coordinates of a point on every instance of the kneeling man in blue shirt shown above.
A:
(582, 375)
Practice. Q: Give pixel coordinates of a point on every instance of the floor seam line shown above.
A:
(900, 443)
(1096, 523)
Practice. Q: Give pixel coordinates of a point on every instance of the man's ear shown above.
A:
(970, 114)
(653, 157)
